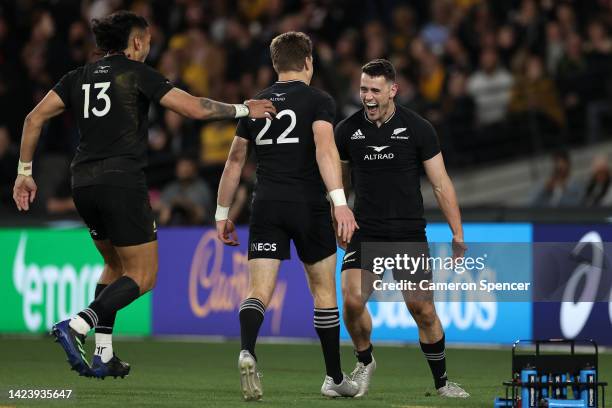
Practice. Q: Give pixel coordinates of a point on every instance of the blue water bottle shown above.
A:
(589, 392)
(564, 387)
(575, 388)
(544, 388)
(559, 386)
(528, 393)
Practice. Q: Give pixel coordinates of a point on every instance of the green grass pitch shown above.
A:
(190, 374)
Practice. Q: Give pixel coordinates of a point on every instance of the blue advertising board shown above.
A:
(575, 319)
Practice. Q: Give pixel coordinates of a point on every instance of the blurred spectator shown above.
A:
(8, 168)
(456, 56)
(599, 60)
(436, 32)
(459, 110)
(404, 27)
(559, 190)
(574, 84)
(431, 77)
(161, 159)
(554, 47)
(215, 141)
(181, 133)
(188, 200)
(79, 42)
(567, 19)
(477, 23)
(375, 37)
(598, 184)
(535, 105)
(507, 44)
(528, 22)
(490, 88)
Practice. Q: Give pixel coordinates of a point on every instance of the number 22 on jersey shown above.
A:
(103, 86)
(259, 140)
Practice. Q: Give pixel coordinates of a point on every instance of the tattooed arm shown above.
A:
(193, 107)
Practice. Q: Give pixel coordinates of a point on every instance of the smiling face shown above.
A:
(377, 95)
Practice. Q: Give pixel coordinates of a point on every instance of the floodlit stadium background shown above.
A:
(547, 90)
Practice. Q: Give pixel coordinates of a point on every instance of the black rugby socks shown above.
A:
(114, 297)
(436, 357)
(327, 325)
(251, 316)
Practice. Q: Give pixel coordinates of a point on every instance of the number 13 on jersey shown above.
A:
(259, 140)
(103, 86)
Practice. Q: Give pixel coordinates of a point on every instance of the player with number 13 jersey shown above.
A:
(109, 98)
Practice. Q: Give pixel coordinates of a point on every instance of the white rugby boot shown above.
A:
(452, 390)
(347, 388)
(250, 377)
(362, 375)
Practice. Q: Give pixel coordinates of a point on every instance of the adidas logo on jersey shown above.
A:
(357, 135)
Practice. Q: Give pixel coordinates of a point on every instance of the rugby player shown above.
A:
(297, 162)
(385, 146)
(110, 101)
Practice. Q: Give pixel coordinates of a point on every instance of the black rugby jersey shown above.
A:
(287, 168)
(110, 101)
(386, 165)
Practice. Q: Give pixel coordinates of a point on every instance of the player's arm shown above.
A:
(24, 190)
(346, 182)
(328, 161)
(447, 199)
(193, 107)
(230, 179)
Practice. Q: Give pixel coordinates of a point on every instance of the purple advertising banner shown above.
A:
(201, 283)
(575, 319)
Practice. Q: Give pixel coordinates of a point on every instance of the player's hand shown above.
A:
(346, 223)
(342, 244)
(24, 192)
(226, 232)
(260, 109)
(459, 248)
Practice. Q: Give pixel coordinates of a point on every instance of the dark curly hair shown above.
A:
(113, 31)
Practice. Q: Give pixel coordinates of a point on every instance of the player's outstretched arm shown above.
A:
(193, 107)
(226, 231)
(328, 161)
(24, 190)
(447, 199)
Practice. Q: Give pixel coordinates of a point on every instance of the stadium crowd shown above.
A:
(498, 79)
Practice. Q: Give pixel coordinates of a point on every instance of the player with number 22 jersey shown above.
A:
(297, 162)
